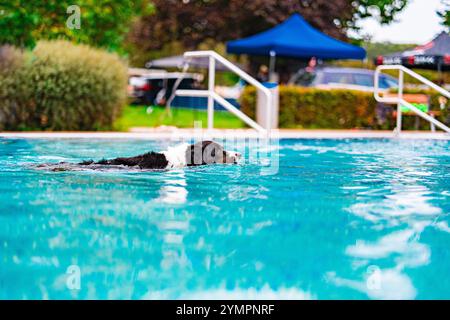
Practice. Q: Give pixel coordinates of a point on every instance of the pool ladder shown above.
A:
(213, 96)
(399, 101)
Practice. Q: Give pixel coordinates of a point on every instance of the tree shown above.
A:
(191, 22)
(375, 49)
(445, 14)
(104, 23)
(384, 10)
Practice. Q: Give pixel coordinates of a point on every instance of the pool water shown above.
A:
(339, 219)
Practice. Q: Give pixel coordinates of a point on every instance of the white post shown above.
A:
(267, 109)
(399, 104)
(211, 85)
(432, 126)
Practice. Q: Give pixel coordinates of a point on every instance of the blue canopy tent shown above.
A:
(295, 38)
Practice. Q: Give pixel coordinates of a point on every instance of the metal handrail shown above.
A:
(224, 103)
(402, 102)
(213, 96)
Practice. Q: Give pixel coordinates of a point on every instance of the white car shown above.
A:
(342, 78)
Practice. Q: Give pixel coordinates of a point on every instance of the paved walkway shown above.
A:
(174, 133)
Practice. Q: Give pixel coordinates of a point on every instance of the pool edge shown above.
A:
(156, 134)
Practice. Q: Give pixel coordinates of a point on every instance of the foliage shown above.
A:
(61, 86)
(192, 22)
(444, 14)
(103, 22)
(375, 49)
(314, 108)
(311, 108)
(386, 10)
(15, 90)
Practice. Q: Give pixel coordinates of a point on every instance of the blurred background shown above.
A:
(111, 65)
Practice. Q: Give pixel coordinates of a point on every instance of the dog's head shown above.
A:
(209, 152)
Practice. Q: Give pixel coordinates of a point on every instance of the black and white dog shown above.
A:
(201, 153)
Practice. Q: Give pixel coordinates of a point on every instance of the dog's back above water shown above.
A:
(201, 153)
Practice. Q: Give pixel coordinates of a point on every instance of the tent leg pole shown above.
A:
(272, 63)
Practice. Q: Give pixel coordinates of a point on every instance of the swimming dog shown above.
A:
(198, 154)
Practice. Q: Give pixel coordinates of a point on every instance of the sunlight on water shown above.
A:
(351, 219)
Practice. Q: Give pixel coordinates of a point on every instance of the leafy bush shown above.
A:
(311, 108)
(61, 86)
(15, 104)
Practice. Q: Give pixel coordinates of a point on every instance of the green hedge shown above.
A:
(60, 86)
(311, 108)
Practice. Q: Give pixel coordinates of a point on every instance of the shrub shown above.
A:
(15, 104)
(312, 108)
(62, 86)
(315, 108)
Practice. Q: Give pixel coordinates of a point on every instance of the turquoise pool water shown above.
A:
(352, 219)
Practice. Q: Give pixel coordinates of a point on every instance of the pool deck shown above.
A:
(175, 133)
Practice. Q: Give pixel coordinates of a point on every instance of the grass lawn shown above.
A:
(137, 116)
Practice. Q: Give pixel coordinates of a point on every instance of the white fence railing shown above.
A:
(402, 102)
(214, 97)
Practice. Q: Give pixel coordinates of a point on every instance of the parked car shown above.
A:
(342, 78)
(154, 87)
